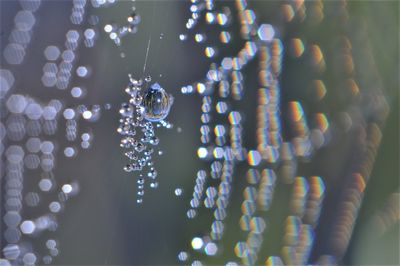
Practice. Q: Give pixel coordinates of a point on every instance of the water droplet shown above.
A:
(178, 192)
(157, 103)
(183, 37)
(133, 19)
(154, 185)
(152, 173)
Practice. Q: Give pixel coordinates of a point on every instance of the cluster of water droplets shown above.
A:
(279, 152)
(117, 32)
(148, 106)
(35, 194)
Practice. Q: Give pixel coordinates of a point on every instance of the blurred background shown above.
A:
(65, 199)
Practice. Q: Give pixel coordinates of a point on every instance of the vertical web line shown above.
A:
(149, 42)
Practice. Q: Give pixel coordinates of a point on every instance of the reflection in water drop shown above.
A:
(156, 103)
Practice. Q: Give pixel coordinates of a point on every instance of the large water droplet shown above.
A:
(156, 103)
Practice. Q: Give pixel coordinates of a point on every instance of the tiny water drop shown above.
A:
(178, 192)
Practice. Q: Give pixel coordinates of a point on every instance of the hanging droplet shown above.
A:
(126, 110)
(131, 155)
(132, 29)
(140, 147)
(154, 141)
(156, 103)
(137, 99)
(128, 168)
(178, 192)
(154, 185)
(133, 19)
(152, 173)
(182, 37)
